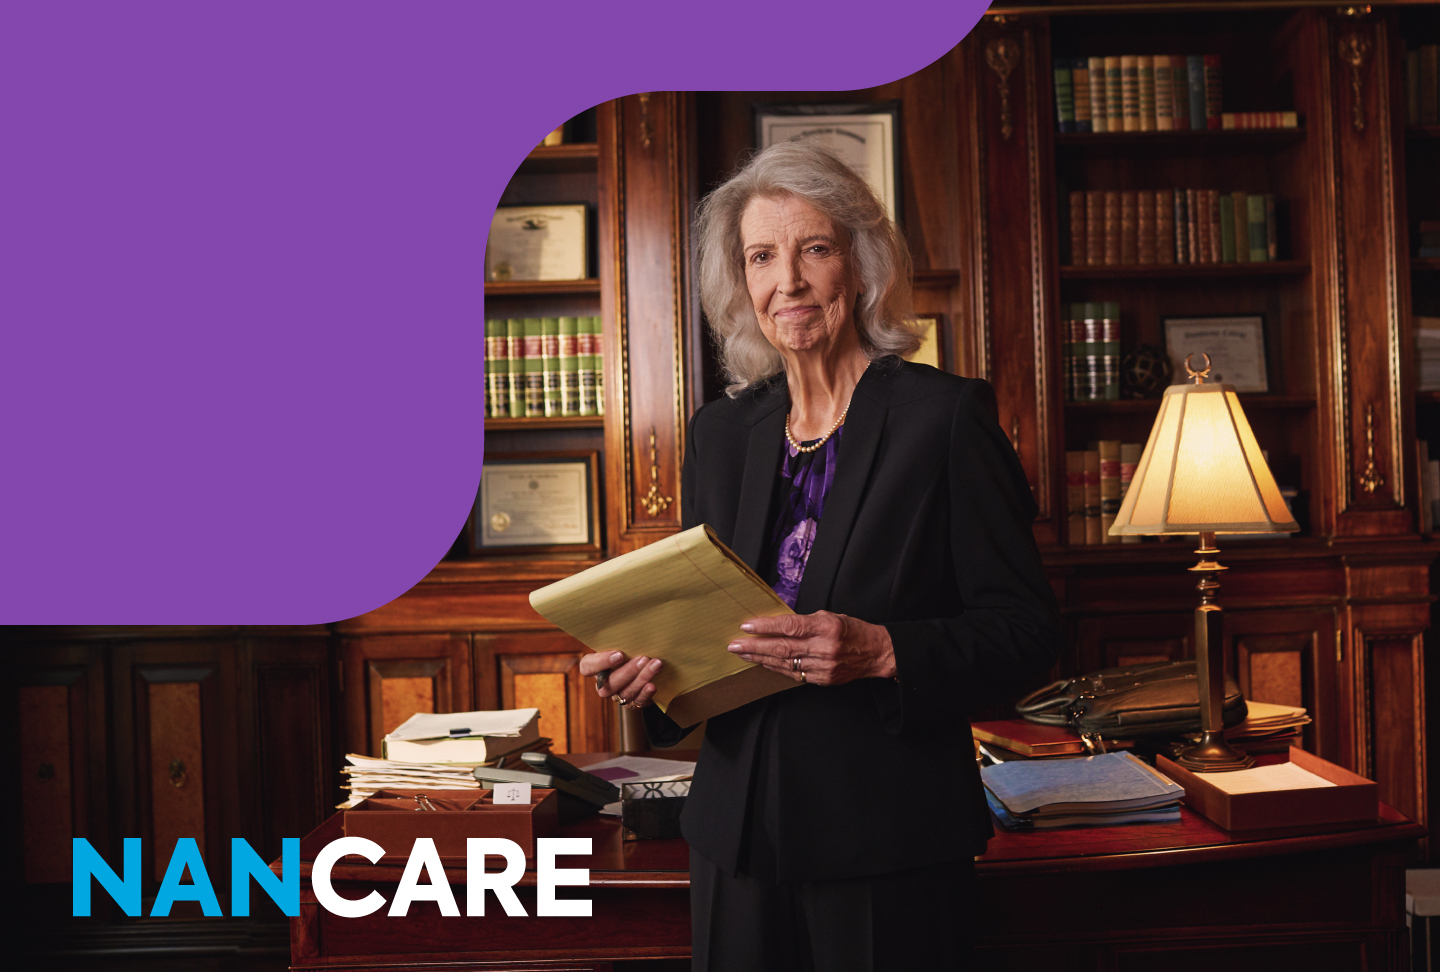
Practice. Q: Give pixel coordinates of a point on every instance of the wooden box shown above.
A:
(1352, 799)
(390, 818)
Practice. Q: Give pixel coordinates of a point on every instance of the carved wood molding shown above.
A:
(1355, 51)
(1002, 54)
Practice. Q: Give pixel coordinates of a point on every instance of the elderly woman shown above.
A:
(833, 826)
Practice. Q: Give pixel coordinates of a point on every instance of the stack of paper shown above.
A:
(462, 737)
(1093, 791)
(1268, 728)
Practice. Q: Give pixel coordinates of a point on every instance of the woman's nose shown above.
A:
(791, 279)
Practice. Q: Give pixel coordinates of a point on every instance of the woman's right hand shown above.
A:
(629, 682)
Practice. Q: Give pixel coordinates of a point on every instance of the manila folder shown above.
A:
(682, 600)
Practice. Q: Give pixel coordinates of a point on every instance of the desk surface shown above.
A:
(665, 863)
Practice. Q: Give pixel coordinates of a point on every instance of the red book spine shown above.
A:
(1094, 227)
(1147, 231)
(1129, 228)
(1165, 226)
(1213, 98)
(1112, 228)
(1077, 229)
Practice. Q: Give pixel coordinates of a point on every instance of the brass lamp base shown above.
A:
(1213, 755)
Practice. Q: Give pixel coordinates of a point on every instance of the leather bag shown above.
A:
(1160, 698)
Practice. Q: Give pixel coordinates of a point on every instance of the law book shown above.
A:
(1130, 92)
(496, 366)
(597, 350)
(1094, 227)
(1165, 226)
(1129, 227)
(1077, 229)
(1147, 228)
(1130, 453)
(515, 374)
(1272, 230)
(1179, 93)
(585, 365)
(1226, 206)
(1112, 227)
(1213, 100)
(1202, 226)
(1080, 86)
(1255, 220)
(1182, 231)
(1110, 350)
(1075, 497)
(1430, 84)
(1192, 226)
(1412, 87)
(1240, 220)
(1145, 68)
(1092, 498)
(1164, 93)
(1099, 116)
(1212, 211)
(1028, 738)
(1109, 450)
(534, 367)
(1064, 95)
(1114, 95)
(680, 599)
(1195, 85)
(1259, 119)
(1088, 360)
(569, 366)
(1069, 333)
(550, 366)
(461, 737)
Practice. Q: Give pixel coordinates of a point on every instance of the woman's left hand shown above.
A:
(820, 648)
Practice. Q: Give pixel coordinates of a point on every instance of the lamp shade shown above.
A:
(1202, 471)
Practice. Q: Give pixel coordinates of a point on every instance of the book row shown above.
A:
(1427, 238)
(1139, 93)
(543, 367)
(1422, 85)
(1095, 484)
(1427, 352)
(1090, 351)
(1166, 226)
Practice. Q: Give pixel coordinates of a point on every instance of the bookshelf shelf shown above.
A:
(1163, 271)
(1425, 263)
(540, 288)
(551, 159)
(1241, 141)
(531, 424)
(1249, 401)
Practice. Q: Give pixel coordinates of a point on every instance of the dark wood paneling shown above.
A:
(424, 669)
(542, 669)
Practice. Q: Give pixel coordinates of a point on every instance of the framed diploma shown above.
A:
(536, 243)
(1236, 346)
(537, 503)
(865, 136)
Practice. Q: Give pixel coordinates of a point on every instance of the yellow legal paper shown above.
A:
(681, 600)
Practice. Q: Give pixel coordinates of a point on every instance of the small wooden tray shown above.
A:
(390, 818)
(1352, 798)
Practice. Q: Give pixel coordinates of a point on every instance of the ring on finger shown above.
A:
(795, 664)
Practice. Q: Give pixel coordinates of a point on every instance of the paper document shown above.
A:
(1264, 779)
(681, 600)
(451, 725)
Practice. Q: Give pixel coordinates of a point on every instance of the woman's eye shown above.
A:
(759, 258)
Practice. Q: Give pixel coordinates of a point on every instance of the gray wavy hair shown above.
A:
(884, 313)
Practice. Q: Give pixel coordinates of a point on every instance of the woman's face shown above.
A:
(798, 272)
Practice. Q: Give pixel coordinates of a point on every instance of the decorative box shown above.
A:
(1352, 799)
(393, 818)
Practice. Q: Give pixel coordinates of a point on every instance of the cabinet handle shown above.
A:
(177, 773)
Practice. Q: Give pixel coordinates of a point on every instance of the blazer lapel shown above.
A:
(858, 445)
(762, 465)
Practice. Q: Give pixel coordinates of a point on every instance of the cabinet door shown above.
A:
(1290, 658)
(1109, 641)
(389, 678)
(542, 670)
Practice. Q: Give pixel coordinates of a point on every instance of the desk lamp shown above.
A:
(1202, 472)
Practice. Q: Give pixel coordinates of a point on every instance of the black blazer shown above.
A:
(926, 531)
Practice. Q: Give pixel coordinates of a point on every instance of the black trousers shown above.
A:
(910, 920)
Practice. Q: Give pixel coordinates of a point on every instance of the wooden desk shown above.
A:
(1132, 899)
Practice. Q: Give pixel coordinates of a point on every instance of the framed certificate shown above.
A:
(536, 243)
(537, 503)
(1236, 346)
(865, 136)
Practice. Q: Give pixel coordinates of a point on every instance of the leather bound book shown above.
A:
(1226, 206)
(1272, 232)
(1109, 450)
(1195, 73)
(1064, 95)
(1182, 231)
(1114, 96)
(1077, 229)
(1099, 114)
(515, 376)
(1094, 227)
(1192, 226)
(1080, 87)
(496, 368)
(1130, 453)
(1092, 498)
(1145, 65)
(1130, 91)
(1129, 228)
(1164, 93)
(1240, 212)
(1112, 228)
(534, 367)
(1213, 100)
(1165, 226)
(1212, 210)
(1146, 252)
(1259, 245)
(1028, 738)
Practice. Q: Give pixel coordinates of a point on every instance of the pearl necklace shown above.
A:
(818, 442)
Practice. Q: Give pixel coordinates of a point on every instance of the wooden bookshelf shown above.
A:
(538, 424)
(1234, 141)
(540, 288)
(1163, 271)
(554, 159)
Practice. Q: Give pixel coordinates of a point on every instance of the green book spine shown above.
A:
(1259, 248)
(515, 374)
(1227, 231)
(1099, 118)
(1114, 96)
(1272, 231)
(585, 365)
(1064, 95)
(569, 366)
(497, 394)
(1164, 94)
(598, 349)
(1240, 220)
(1146, 68)
(534, 367)
(550, 369)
